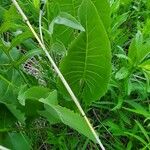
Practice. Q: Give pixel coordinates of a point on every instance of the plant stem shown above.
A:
(59, 74)
(40, 22)
(3, 148)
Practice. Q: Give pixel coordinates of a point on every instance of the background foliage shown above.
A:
(82, 37)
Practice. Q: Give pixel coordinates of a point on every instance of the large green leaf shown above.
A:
(88, 63)
(65, 115)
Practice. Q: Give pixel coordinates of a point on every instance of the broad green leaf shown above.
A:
(74, 120)
(51, 114)
(9, 82)
(89, 58)
(30, 44)
(67, 20)
(65, 115)
(63, 33)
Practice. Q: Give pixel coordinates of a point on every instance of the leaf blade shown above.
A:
(89, 59)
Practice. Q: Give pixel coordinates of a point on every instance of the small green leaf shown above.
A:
(122, 73)
(67, 20)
